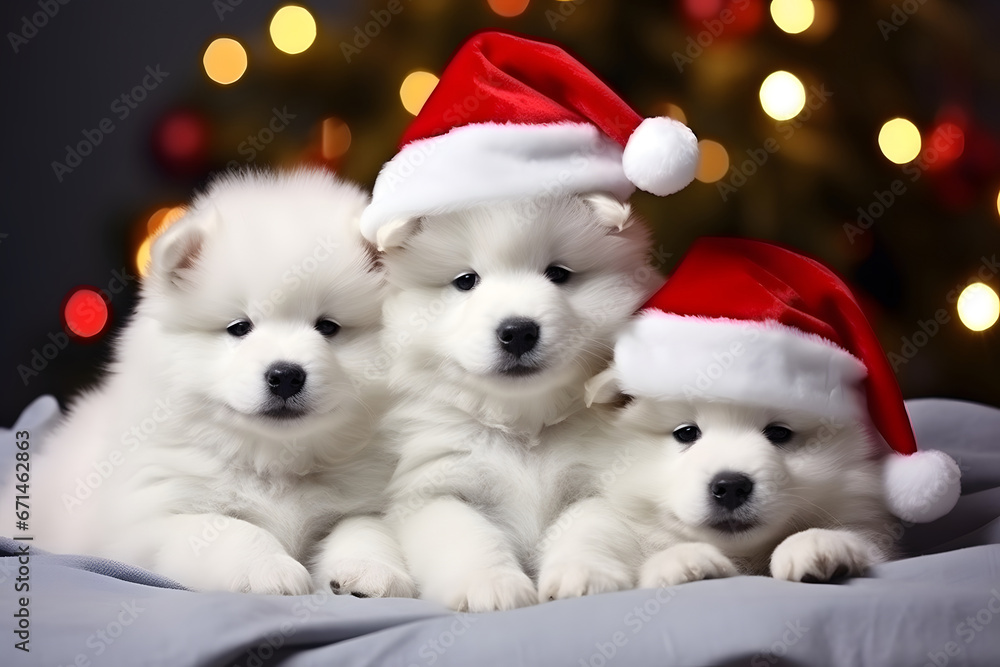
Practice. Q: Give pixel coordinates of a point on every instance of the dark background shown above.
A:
(941, 64)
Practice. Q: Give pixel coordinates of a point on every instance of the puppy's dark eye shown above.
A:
(778, 434)
(239, 328)
(687, 433)
(466, 281)
(327, 327)
(558, 274)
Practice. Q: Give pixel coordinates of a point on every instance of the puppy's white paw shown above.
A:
(366, 579)
(684, 563)
(819, 555)
(274, 574)
(575, 579)
(495, 589)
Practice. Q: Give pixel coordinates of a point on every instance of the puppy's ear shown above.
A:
(395, 232)
(610, 212)
(177, 250)
(602, 388)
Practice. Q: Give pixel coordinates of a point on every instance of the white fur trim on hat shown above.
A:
(921, 487)
(665, 356)
(661, 156)
(488, 162)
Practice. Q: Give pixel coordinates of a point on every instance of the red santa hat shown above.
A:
(752, 322)
(514, 118)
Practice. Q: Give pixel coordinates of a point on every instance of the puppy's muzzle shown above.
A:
(730, 490)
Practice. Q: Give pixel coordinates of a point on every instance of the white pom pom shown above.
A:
(661, 156)
(921, 487)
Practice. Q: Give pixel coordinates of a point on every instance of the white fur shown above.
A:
(200, 484)
(490, 163)
(922, 486)
(661, 156)
(816, 508)
(760, 363)
(485, 457)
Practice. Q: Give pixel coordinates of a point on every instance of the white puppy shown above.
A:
(230, 432)
(714, 489)
(496, 317)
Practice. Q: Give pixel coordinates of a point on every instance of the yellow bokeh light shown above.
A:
(335, 138)
(978, 307)
(293, 29)
(156, 225)
(899, 140)
(782, 95)
(225, 60)
(713, 161)
(998, 203)
(508, 8)
(671, 110)
(416, 88)
(793, 16)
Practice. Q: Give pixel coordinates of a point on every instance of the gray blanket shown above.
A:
(938, 606)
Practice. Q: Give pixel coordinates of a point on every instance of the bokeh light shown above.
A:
(671, 110)
(978, 307)
(85, 312)
(335, 137)
(293, 29)
(225, 60)
(782, 95)
(899, 140)
(508, 8)
(416, 88)
(793, 16)
(156, 225)
(713, 161)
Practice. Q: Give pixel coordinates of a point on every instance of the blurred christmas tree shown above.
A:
(906, 211)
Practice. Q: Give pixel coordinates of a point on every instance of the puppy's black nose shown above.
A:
(284, 379)
(730, 489)
(517, 335)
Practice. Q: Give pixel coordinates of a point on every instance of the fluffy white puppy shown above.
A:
(496, 317)
(230, 432)
(714, 489)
